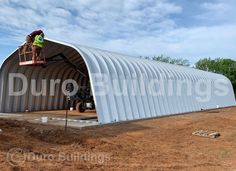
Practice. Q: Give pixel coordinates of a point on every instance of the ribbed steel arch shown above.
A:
(142, 90)
(191, 99)
(138, 101)
(144, 94)
(115, 103)
(184, 99)
(158, 104)
(126, 100)
(164, 77)
(153, 100)
(110, 107)
(192, 107)
(158, 73)
(122, 76)
(101, 100)
(179, 104)
(150, 96)
(131, 74)
(104, 69)
(172, 98)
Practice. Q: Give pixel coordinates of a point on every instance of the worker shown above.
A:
(30, 39)
(37, 46)
(31, 36)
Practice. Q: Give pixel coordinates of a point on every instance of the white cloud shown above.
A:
(190, 43)
(136, 27)
(88, 21)
(216, 6)
(218, 11)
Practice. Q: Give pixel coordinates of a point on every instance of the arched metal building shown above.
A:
(111, 70)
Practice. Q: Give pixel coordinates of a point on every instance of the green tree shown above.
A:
(222, 66)
(162, 58)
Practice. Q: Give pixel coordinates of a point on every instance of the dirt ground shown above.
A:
(157, 144)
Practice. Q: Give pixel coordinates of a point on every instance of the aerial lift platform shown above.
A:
(27, 58)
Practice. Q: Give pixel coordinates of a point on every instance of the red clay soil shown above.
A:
(158, 144)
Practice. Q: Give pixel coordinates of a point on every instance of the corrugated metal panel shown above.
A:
(110, 107)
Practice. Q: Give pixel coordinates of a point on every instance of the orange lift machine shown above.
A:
(28, 58)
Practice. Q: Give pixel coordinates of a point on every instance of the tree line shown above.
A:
(222, 66)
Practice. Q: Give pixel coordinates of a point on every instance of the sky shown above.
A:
(189, 29)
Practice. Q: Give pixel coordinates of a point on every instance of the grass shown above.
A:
(231, 137)
(225, 153)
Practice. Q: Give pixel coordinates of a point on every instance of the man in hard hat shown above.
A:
(31, 36)
(37, 46)
(30, 39)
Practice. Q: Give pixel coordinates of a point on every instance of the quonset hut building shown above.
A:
(109, 71)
